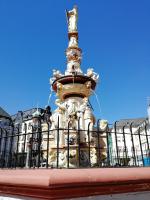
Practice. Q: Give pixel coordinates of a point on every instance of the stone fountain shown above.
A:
(73, 89)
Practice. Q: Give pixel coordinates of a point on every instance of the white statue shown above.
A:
(57, 74)
(73, 42)
(89, 121)
(95, 77)
(71, 114)
(53, 158)
(93, 157)
(103, 125)
(89, 72)
(92, 74)
(72, 17)
(73, 67)
(72, 158)
(59, 112)
(81, 110)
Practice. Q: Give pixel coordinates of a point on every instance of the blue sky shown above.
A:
(113, 34)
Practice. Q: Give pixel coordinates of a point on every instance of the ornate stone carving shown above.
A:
(103, 125)
(72, 17)
(73, 90)
(92, 74)
(56, 74)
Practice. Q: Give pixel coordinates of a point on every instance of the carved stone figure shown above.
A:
(80, 112)
(73, 42)
(73, 67)
(89, 121)
(58, 113)
(95, 77)
(62, 159)
(84, 160)
(72, 17)
(53, 158)
(73, 54)
(59, 86)
(92, 74)
(72, 113)
(72, 158)
(56, 74)
(103, 125)
(88, 84)
(93, 157)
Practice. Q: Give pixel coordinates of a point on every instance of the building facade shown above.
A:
(130, 141)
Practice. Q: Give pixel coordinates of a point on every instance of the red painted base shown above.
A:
(69, 183)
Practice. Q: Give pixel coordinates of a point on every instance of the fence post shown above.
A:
(89, 144)
(147, 138)
(115, 127)
(5, 145)
(24, 144)
(16, 159)
(31, 148)
(68, 145)
(133, 147)
(139, 134)
(125, 146)
(108, 148)
(98, 144)
(39, 141)
(47, 145)
(58, 142)
(78, 142)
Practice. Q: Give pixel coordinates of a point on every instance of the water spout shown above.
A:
(50, 95)
(98, 102)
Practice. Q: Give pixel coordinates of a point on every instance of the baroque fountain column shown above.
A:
(73, 89)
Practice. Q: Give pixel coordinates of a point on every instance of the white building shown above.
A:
(23, 121)
(130, 142)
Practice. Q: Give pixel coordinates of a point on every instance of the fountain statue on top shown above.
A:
(73, 89)
(72, 17)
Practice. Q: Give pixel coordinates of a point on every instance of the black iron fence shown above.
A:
(42, 146)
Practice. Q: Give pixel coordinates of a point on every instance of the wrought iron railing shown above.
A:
(40, 146)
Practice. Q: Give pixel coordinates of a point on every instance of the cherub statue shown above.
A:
(89, 72)
(95, 77)
(92, 74)
(57, 74)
